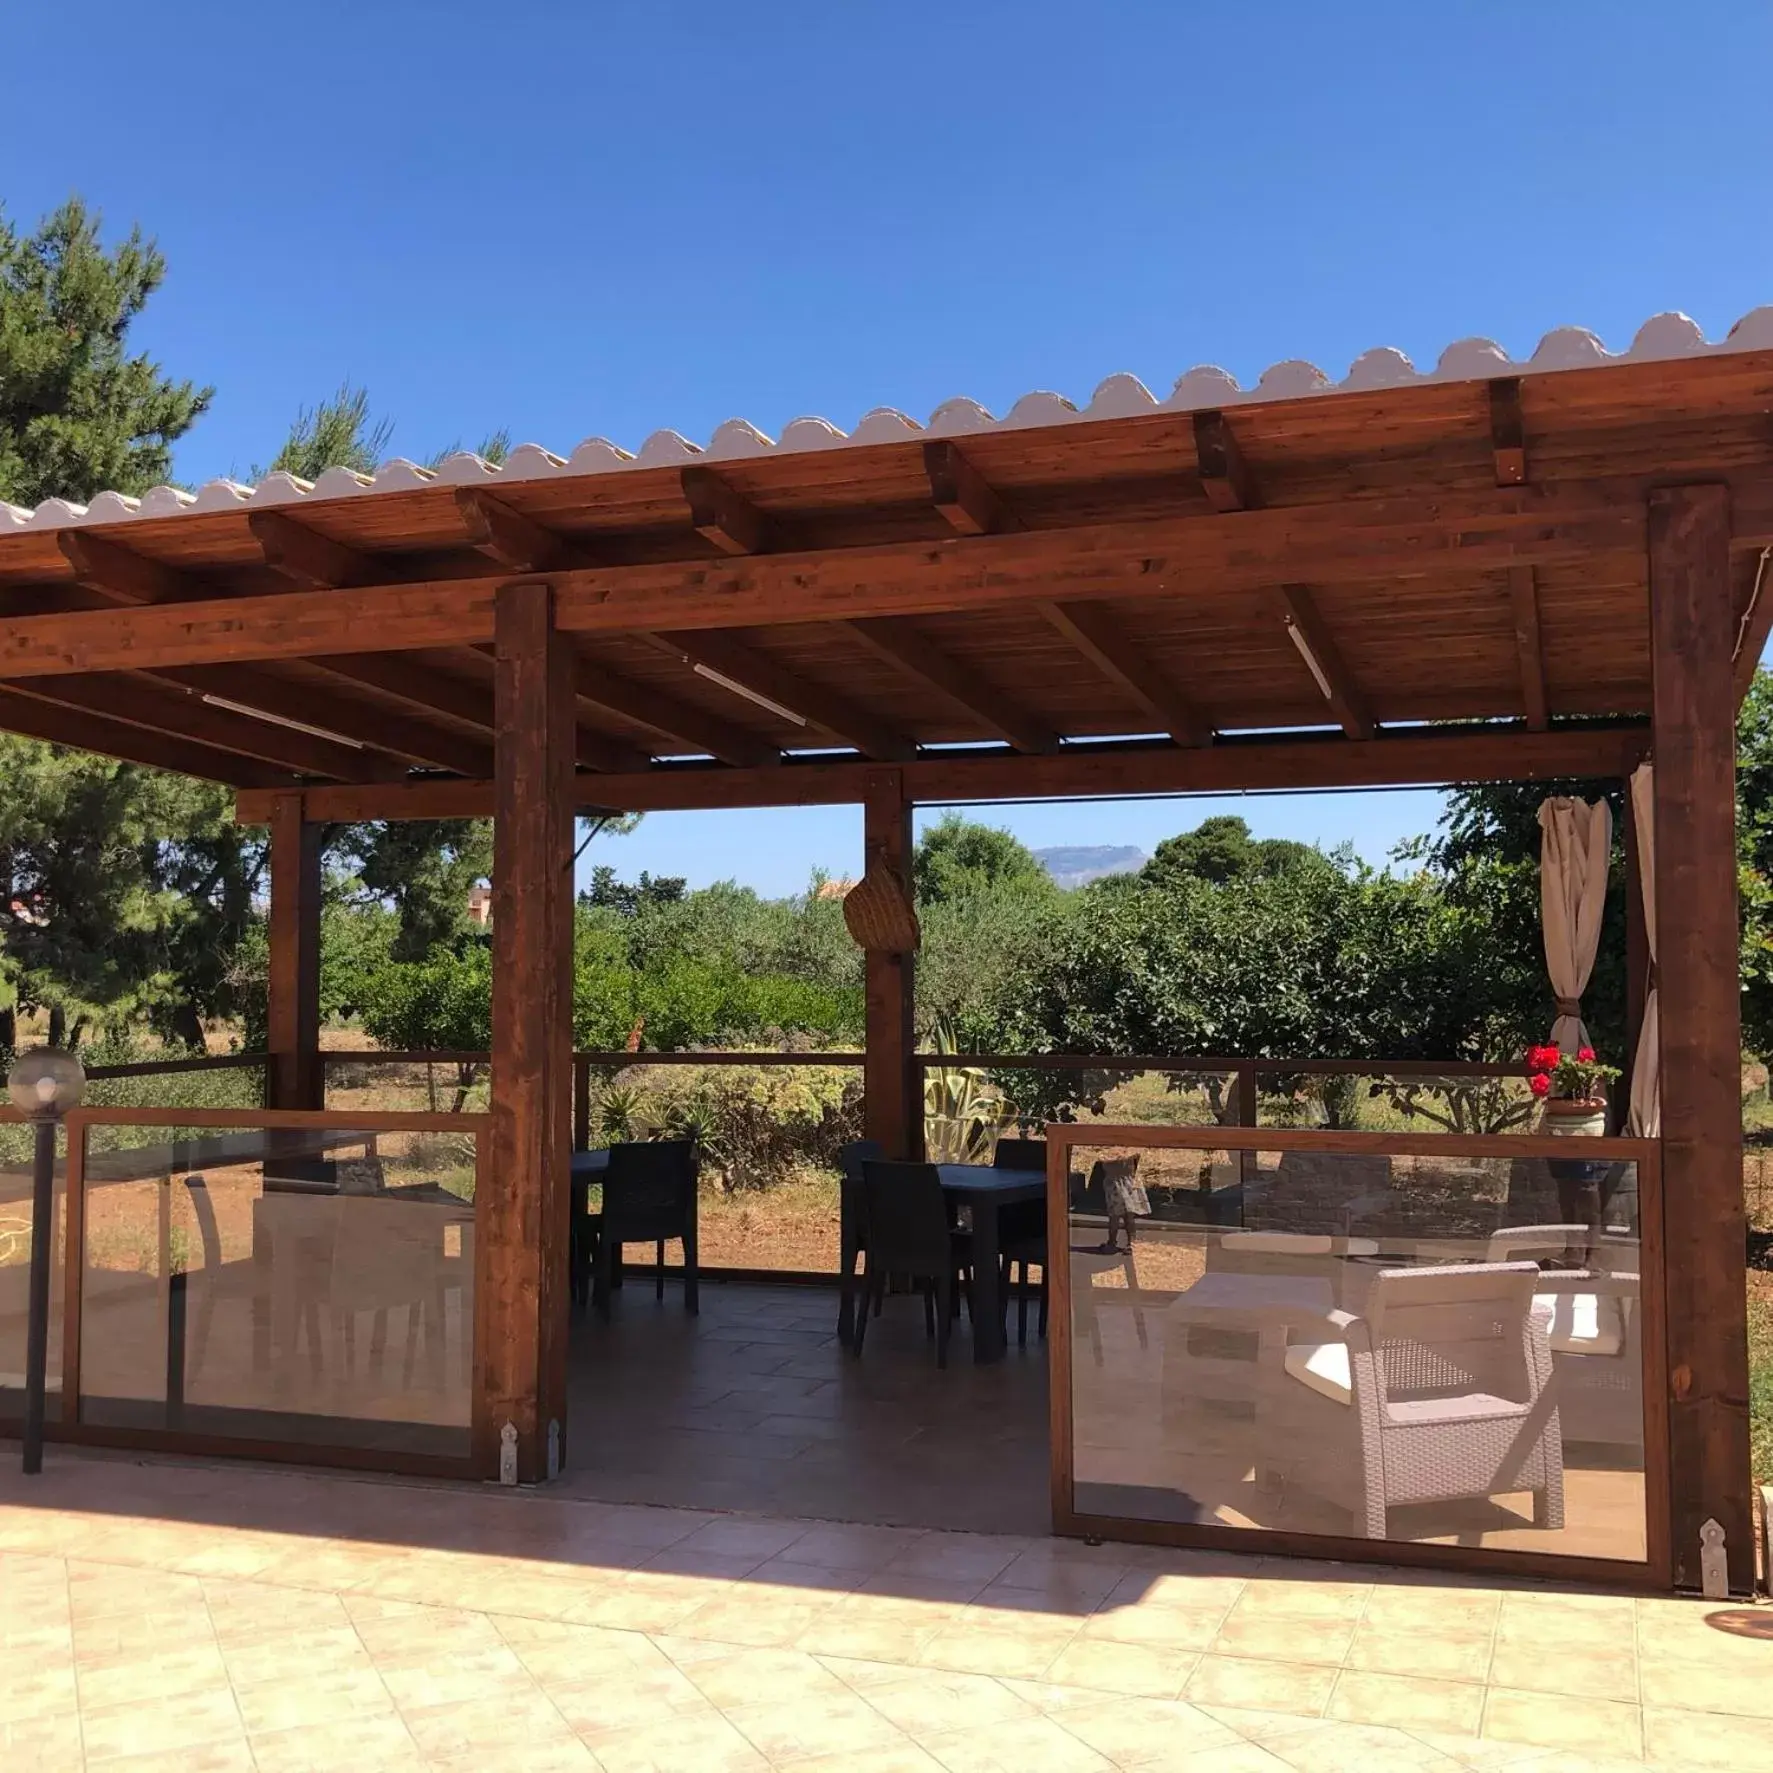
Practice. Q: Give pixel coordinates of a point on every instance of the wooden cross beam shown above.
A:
(305, 557)
(721, 514)
(1095, 633)
(1523, 600)
(901, 645)
(831, 711)
(1508, 436)
(1323, 658)
(507, 537)
(675, 719)
(1224, 475)
(969, 503)
(119, 574)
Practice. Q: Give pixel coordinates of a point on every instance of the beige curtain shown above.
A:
(1646, 1072)
(1576, 843)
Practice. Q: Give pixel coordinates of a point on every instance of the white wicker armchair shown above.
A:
(1441, 1390)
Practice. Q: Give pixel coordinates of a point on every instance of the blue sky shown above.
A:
(578, 220)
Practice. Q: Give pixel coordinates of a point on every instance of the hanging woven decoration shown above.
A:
(879, 913)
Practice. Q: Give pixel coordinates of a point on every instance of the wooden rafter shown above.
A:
(1224, 476)
(968, 502)
(1427, 758)
(1523, 600)
(427, 691)
(674, 718)
(89, 731)
(721, 514)
(1094, 632)
(924, 662)
(508, 537)
(831, 711)
(388, 729)
(109, 570)
(1323, 658)
(182, 713)
(304, 556)
(1508, 436)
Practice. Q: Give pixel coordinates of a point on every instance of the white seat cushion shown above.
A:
(1580, 1323)
(1324, 1367)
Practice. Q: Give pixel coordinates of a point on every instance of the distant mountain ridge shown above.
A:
(1075, 865)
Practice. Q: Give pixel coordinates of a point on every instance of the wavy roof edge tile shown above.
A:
(1118, 397)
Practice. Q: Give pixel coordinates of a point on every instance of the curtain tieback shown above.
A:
(1569, 1006)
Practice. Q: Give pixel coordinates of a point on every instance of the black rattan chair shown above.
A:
(907, 1230)
(649, 1197)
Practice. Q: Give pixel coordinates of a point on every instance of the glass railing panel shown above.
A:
(16, 1183)
(1429, 1348)
(310, 1284)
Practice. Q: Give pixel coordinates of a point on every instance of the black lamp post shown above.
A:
(44, 1085)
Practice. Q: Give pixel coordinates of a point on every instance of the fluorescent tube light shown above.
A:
(297, 726)
(750, 695)
(1310, 658)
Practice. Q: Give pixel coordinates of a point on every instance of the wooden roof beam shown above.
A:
(119, 574)
(507, 537)
(84, 730)
(673, 718)
(387, 729)
(184, 714)
(1323, 659)
(1523, 601)
(1224, 475)
(305, 557)
(1429, 757)
(831, 711)
(969, 503)
(721, 514)
(1101, 639)
(442, 692)
(901, 645)
(1508, 436)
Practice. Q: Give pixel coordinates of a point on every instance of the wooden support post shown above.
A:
(523, 1217)
(892, 1095)
(1692, 635)
(295, 1078)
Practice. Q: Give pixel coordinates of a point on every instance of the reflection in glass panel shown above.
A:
(1439, 1349)
(16, 1140)
(311, 1285)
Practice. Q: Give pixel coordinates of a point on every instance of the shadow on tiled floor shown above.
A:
(755, 1406)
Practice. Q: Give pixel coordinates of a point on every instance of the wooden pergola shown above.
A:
(1498, 570)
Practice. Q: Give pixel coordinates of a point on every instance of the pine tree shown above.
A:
(78, 413)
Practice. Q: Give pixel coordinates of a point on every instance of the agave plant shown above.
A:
(961, 1108)
(623, 1115)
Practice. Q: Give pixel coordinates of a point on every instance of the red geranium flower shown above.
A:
(1539, 1084)
(1585, 1054)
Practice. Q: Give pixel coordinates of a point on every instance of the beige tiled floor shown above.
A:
(210, 1617)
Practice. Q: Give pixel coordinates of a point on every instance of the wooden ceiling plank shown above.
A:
(387, 729)
(305, 557)
(721, 514)
(1124, 661)
(84, 730)
(1424, 759)
(1298, 609)
(925, 663)
(1523, 599)
(506, 536)
(673, 718)
(110, 570)
(968, 502)
(831, 711)
(1224, 475)
(1508, 436)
